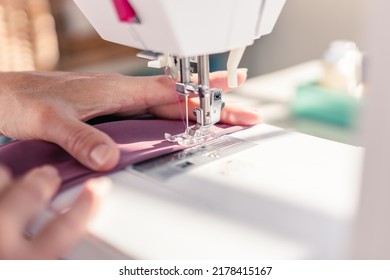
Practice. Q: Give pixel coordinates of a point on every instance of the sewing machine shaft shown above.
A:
(210, 99)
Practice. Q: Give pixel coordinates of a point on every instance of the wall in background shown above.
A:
(303, 32)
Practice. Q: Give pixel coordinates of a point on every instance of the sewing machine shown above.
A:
(264, 193)
(179, 35)
(220, 207)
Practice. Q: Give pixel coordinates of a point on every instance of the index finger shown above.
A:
(219, 79)
(162, 90)
(68, 228)
(30, 195)
(137, 94)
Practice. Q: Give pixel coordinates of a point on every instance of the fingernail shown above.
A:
(100, 186)
(100, 154)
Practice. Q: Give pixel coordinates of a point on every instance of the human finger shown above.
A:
(30, 195)
(161, 90)
(5, 178)
(59, 236)
(234, 114)
(231, 114)
(218, 79)
(87, 144)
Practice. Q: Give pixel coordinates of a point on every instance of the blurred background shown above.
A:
(303, 32)
(54, 35)
(308, 75)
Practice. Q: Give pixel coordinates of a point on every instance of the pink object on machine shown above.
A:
(125, 11)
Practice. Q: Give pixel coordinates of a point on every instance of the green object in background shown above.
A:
(316, 102)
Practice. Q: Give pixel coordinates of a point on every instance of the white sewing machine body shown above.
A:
(179, 32)
(273, 194)
(279, 195)
(185, 27)
(269, 193)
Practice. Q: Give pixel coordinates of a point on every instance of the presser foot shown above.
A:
(192, 136)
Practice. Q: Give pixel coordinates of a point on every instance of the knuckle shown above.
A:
(34, 194)
(42, 115)
(165, 81)
(45, 112)
(77, 141)
(36, 188)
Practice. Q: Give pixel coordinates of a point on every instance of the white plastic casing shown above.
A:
(185, 27)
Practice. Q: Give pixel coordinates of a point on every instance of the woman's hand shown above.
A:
(53, 106)
(21, 200)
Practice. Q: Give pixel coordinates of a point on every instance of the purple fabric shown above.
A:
(138, 140)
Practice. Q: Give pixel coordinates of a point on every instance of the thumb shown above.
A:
(89, 146)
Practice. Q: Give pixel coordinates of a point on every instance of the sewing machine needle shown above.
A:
(186, 101)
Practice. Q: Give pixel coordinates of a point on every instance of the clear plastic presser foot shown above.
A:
(192, 136)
